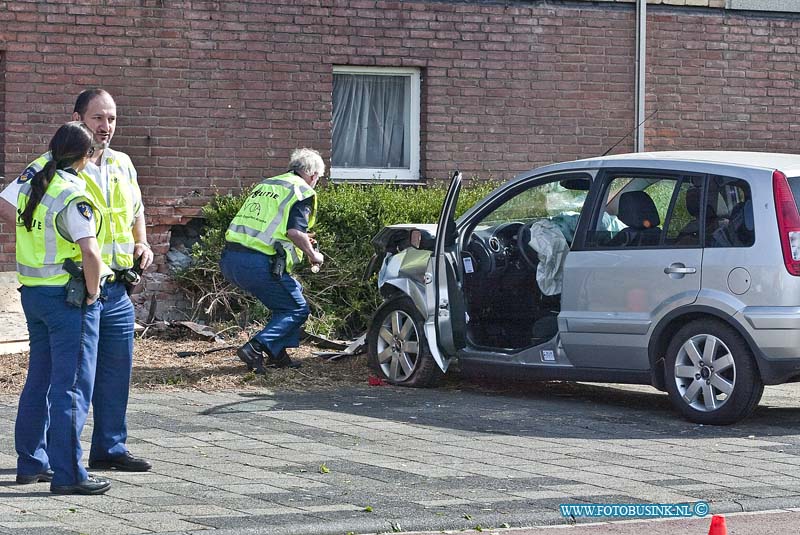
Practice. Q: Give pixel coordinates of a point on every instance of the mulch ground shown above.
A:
(176, 360)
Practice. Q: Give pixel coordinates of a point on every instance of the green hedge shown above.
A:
(348, 217)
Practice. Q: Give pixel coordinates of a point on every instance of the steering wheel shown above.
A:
(527, 252)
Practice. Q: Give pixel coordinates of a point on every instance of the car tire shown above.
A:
(711, 375)
(397, 347)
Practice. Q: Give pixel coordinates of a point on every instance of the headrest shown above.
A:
(693, 195)
(693, 201)
(742, 217)
(637, 210)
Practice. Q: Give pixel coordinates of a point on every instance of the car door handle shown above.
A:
(679, 268)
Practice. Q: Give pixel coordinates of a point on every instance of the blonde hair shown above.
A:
(308, 161)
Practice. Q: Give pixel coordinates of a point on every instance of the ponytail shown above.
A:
(39, 184)
(70, 143)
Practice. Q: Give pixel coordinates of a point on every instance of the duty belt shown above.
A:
(126, 276)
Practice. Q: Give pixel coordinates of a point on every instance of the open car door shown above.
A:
(446, 323)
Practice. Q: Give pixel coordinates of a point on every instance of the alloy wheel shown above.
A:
(705, 372)
(398, 346)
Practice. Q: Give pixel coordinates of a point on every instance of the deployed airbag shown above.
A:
(547, 239)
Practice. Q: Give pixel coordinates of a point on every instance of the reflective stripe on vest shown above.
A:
(111, 249)
(261, 234)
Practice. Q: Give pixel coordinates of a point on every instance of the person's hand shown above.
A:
(142, 251)
(317, 258)
(92, 298)
(312, 239)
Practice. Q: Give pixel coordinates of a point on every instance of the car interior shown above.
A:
(506, 306)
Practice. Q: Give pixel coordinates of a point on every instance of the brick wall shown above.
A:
(213, 95)
(724, 83)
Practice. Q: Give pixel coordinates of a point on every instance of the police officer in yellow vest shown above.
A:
(268, 232)
(59, 221)
(113, 182)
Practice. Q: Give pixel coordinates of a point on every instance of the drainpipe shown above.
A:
(641, 26)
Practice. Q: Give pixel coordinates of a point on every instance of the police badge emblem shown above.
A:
(85, 210)
(26, 175)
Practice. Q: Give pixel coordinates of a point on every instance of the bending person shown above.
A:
(266, 239)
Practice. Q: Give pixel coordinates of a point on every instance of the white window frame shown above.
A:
(384, 174)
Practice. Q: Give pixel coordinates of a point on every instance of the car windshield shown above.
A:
(545, 201)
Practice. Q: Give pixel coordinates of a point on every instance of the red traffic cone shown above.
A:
(718, 526)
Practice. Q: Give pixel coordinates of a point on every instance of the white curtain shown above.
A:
(370, 121)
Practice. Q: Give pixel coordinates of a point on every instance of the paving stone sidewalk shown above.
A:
(368, 460)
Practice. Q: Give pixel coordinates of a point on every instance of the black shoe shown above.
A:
(91, 485)
(251, 355)
(41, 477)
(282, 360)
(125, 463)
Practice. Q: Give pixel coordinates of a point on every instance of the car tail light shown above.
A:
(788, 222)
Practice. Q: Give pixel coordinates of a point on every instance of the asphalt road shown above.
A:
(378, 459)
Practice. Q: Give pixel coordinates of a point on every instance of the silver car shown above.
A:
(674, 269)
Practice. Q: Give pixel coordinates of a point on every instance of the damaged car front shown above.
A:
(397, 333)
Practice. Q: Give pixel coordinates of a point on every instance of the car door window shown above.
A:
(729, 213)
(646, 211)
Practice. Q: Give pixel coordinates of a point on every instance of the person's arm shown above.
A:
(297, 230)
(303, 242)
(92, 267)
(141, 248)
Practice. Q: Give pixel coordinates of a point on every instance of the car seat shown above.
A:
(690, 233)
(740, 230)
(638, 211)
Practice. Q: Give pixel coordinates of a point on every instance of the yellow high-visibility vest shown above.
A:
(263, 218)
(41, 252)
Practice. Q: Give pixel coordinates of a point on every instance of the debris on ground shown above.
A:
(321, 341)
(356, 347)
(203, 330)
(374, 380)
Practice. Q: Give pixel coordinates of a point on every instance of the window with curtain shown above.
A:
(375, 124)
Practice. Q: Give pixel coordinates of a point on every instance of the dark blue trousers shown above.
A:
(283, 297)
(63, 356)
(113, 380)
